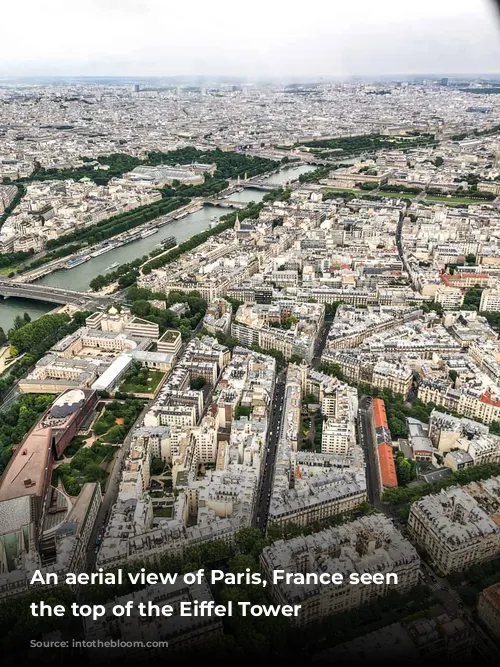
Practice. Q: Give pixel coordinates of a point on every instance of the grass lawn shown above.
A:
(457, 200)
(7, 269)
(394, 195)
(164, 512)
(153, 380)
(397, 195)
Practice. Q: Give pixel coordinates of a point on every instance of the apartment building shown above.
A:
(449, 297)
(490, 300)
(288, 327)
(458, 527)
(488, 609)
(370, 544)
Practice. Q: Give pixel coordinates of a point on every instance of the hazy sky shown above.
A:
(312, 38)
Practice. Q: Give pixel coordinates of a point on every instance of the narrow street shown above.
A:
(373, 486)
(264, 496)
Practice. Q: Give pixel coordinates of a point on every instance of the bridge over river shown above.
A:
(51, 294)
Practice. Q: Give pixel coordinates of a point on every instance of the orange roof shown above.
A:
(379, 415)
(445, 278)
(387, 465)
(298, 473)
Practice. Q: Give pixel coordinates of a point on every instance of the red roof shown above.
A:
(445, 278)
(379, 415)
(486, 398)
(387, 465)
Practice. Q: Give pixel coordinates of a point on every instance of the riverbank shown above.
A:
(79, 277)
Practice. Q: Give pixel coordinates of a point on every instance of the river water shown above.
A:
(80, 277)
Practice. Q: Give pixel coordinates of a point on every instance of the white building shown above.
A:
(459, 527)
(490, 300)
(449, 297)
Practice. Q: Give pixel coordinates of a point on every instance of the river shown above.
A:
(80, 277)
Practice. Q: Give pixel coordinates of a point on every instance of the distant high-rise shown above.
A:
(444, 81)
(137, 88)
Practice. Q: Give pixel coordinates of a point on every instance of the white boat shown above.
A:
(101, 251)
(71, 263)
(148, 232)
(112, 266)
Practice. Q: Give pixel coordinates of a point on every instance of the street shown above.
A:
(367, 443)
(276, 413)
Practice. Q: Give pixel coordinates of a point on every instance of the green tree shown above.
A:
(141, 308)
(330, 368)
(93, 472)
(472, 298)
(98, 283)
(18, 322)
(198, 383)
(157, 466)
(405, 469)
(397, 427)
(247, 540)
